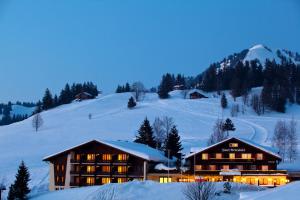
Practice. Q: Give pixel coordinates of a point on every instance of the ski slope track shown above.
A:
(69, 125)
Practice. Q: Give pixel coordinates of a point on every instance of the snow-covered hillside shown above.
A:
(69, 125)
(20, 110)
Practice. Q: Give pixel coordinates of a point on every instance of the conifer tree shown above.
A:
(47, 100)
(127, 87)
(173, 144)
(145, 134)
(19, 189)
(165, 86)
(223, 101)
(228, 126)
(131, 103)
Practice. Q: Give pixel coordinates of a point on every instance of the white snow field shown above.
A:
(69, 125)
(136, 190)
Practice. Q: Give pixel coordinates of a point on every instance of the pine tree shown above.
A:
(47, 100)
(223, 101)
(127, 87)
(19, 189)
(165, 86)
(145, 134)
(131, 103)
(173, 144)
(228, 126)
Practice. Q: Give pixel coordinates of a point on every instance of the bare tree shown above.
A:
(168, 123)
(292, 141)
(235, 109)
(218, 133)
(257, 104)
(280, 137)
(37, 121)
(138, 90)
(106, 194)
(159, 132)
(199, 191)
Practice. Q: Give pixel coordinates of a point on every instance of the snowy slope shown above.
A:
(22, 110)
(261, 53)
(69, 125)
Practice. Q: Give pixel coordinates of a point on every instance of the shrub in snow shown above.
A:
(226, 187)
(199, 191)
(131, 103)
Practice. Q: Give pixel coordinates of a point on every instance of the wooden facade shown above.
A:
(237, 160)
(95, 163)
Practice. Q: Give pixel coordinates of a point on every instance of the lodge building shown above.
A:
(100, 162)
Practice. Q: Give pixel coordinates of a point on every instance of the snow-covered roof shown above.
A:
(136, 149)
(161, 166)
(269, 150)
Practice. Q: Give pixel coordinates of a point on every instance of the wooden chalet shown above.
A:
(196, 94)
(83, 96)
(100, 162)
(237, 160)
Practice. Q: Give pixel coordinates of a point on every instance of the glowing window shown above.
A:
(204, 156)
(122, 180)
(233, 145)
(57, 178)
(165, 180)
(106, 168)
(232, 155)
(106, 157)
(264, 167)
(218, 156)
(90, 169)
(212, 167)
(91, 157)
(106, 180)
(198, 167)
(246, 156)
(225, 167)
(57, 167)
(90, 180)
(122, 169)
(78, 157)
(62, 168)
(63, 179)
(259, 156)
(122, 157)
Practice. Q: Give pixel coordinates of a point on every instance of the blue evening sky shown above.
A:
(46, 43)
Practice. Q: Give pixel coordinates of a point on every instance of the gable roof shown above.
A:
(139, 150)
(269, 150)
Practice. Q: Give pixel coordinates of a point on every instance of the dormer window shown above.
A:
(233, 145)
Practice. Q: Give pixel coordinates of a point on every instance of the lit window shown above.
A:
(122, 169)
(57, 178)
(122, 157)
(225, 167)
(165, 180)
(264, 167)
(246, 155)
(198, 167)
(212, 167)
(233, 145)
(90, 169)
(90, 180)
(78, 157)
(232, 155)
(218, 156)
(62, 168)
(105, 168)
(259, 156)
(57, 167)
(204, 156)
(91, 157)
(106, 180)
(122, 180)
(106, 157)
(62, 179)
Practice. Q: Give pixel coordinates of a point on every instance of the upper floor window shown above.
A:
(212, 167)
(77, 157)
(240, 167)
(90, 157)
(106, 168)
(259, 156)
(198, 167)
(232, 155)
(122, 157)
(246, 156)
(225, 167)
(90, 169)
(218, 156)
(233, 145)
(106, 157)
(204, 156)
(264, 167)
(122, 169)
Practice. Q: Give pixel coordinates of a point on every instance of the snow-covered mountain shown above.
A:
(261, 53)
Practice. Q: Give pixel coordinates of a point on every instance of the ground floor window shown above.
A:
(90, 180)
(122, 180)
(106, 180)
(165, 180)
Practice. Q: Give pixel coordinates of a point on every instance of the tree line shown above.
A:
(7, 117)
